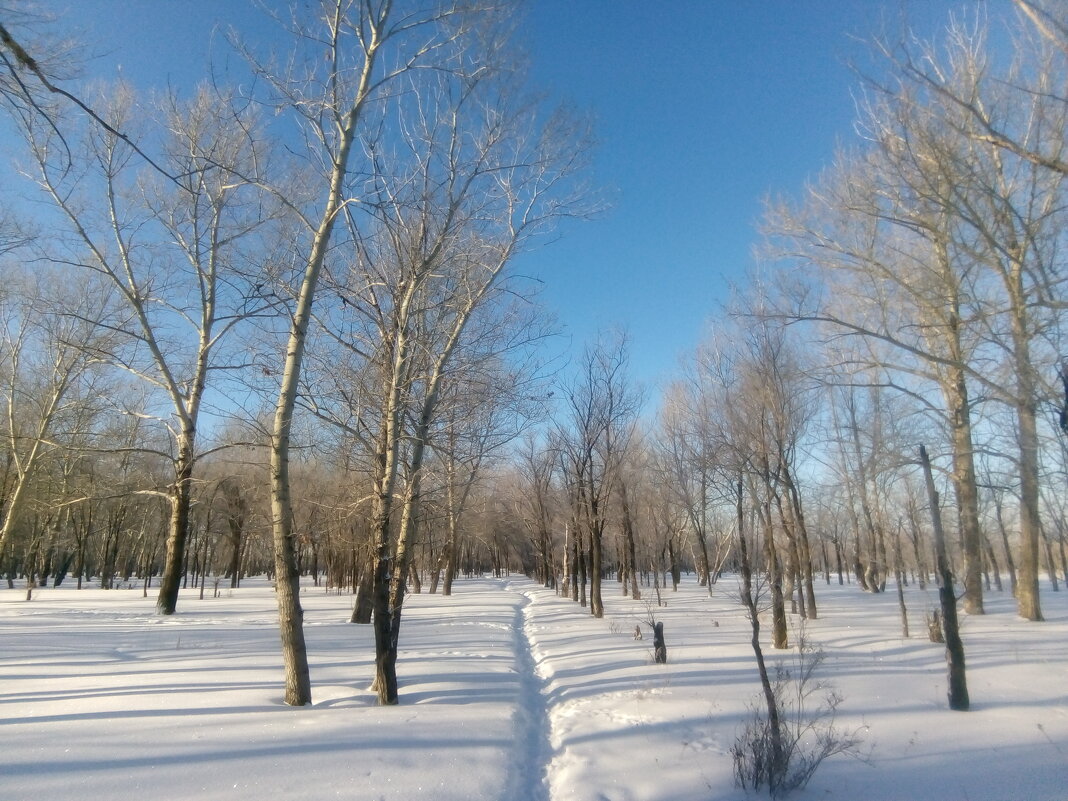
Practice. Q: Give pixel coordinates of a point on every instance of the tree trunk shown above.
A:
(596, 604)
(750, 604)
(173, 566)
(995, 568)
(899, 568)
(804, 546)
(958, 685)
(628, 537)
(385, 682)
(966, 489)
(448, 554)
(704, 570)
(1027, 595)
(676, 570)
(363, 610)
(236, 541)
(1051, 565)
(547, 562)
(573, 564)
(1010, 563)
(780, 639)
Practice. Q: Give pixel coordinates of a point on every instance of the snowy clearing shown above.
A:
(507, 692)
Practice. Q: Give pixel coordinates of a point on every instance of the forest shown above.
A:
(275, 328)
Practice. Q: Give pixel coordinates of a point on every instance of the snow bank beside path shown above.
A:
(626, 729)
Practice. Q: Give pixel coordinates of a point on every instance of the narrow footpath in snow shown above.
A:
(532, 750)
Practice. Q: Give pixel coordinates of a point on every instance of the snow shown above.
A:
(508, 692)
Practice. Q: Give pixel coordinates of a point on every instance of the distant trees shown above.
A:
(687, 461)
(51, 390)
(592, 437)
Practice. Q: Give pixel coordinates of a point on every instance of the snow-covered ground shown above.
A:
(508, 693)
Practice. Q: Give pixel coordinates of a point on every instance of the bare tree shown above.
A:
(687, 454)
(1034, 78)
(461, 172)
(892, 277)
(537, 502)
(760, 393)
(175, 254)
(35, 64)
(601, 405)
(49, 330)
(486, 404)
(1009, 210)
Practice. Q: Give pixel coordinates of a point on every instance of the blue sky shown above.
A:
(703, 107)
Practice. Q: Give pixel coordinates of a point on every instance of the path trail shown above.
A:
(532, 751)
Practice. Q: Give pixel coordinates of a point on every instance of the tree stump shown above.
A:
(934, 627)
(659, 649)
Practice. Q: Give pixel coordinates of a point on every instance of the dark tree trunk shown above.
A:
(363, 610)
(385, 683)
(628, 536)
(704, 570)
(958, 685)
(173, 566)
(676, 571)
(449, 556)
(659, 647)
(750, 604)
(995, 568)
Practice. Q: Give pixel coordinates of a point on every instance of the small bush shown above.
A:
(783, 754)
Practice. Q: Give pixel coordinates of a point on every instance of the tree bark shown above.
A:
(966, 489)
(958, 685)
(750, 604)
(181, 498)
(628, 537)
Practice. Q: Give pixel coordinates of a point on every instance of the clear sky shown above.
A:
(703, 107)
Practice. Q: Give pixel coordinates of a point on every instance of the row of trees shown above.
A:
(914, 294)
(932, 255)
(279, 333)
(347, 256)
